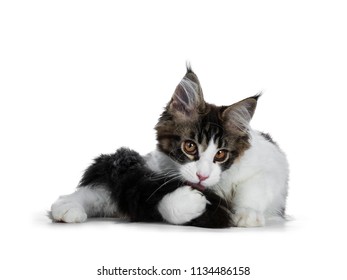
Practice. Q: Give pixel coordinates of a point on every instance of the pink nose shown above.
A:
(201, 177)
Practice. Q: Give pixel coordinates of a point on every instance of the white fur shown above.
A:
(259, 182)
(248, 217)
(204, 166)
(83, 203)
(182, 205)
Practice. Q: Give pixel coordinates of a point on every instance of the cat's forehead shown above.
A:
(208, 127)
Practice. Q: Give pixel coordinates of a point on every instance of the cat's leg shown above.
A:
(191, 207)
(217, 213)
(250, 201)
(83, 203)
(182, 205)
(93, 196)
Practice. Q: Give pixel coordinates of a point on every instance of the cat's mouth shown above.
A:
(197, 186)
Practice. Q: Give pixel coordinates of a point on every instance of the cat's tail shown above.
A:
(106, 168)
(131, 185)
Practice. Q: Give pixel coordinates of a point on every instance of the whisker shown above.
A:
(163, 175)
(162, 185)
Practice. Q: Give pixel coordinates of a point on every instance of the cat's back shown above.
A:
(263, 157)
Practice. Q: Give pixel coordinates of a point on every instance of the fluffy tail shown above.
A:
(134, 188)
(107, 168)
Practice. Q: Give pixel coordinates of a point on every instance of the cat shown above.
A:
(216, 161)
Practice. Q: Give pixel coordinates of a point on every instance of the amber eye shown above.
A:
(189, 147)
(221, 156)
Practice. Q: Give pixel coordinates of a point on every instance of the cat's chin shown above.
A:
(196, 186)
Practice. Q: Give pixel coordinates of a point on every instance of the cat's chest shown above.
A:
(233, 177)
(227, 184)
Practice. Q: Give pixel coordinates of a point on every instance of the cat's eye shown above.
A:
(189, 147)
(221, 156)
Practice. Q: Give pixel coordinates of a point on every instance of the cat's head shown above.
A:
(202, 138)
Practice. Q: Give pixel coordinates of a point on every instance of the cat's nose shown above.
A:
(201, 177)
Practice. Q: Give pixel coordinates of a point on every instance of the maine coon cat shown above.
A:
(210, 169)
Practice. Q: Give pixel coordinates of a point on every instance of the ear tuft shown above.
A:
(189, 67)
(238, 116)
(191, 75)
(188, 97)
(256, 97)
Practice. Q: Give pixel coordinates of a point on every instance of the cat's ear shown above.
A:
(187, 100)
(237, 116)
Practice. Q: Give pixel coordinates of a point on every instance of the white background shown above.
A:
(80, 78)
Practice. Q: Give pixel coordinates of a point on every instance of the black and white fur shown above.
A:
(121, 185)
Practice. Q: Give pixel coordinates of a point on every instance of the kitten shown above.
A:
(215, 148)
(212, 150)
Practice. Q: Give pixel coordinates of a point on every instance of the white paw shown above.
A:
(182, 205)
(68, 212)
(247, 217)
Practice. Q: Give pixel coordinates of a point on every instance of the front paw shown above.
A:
(182, 205)
(247, 217)
(68, 212)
